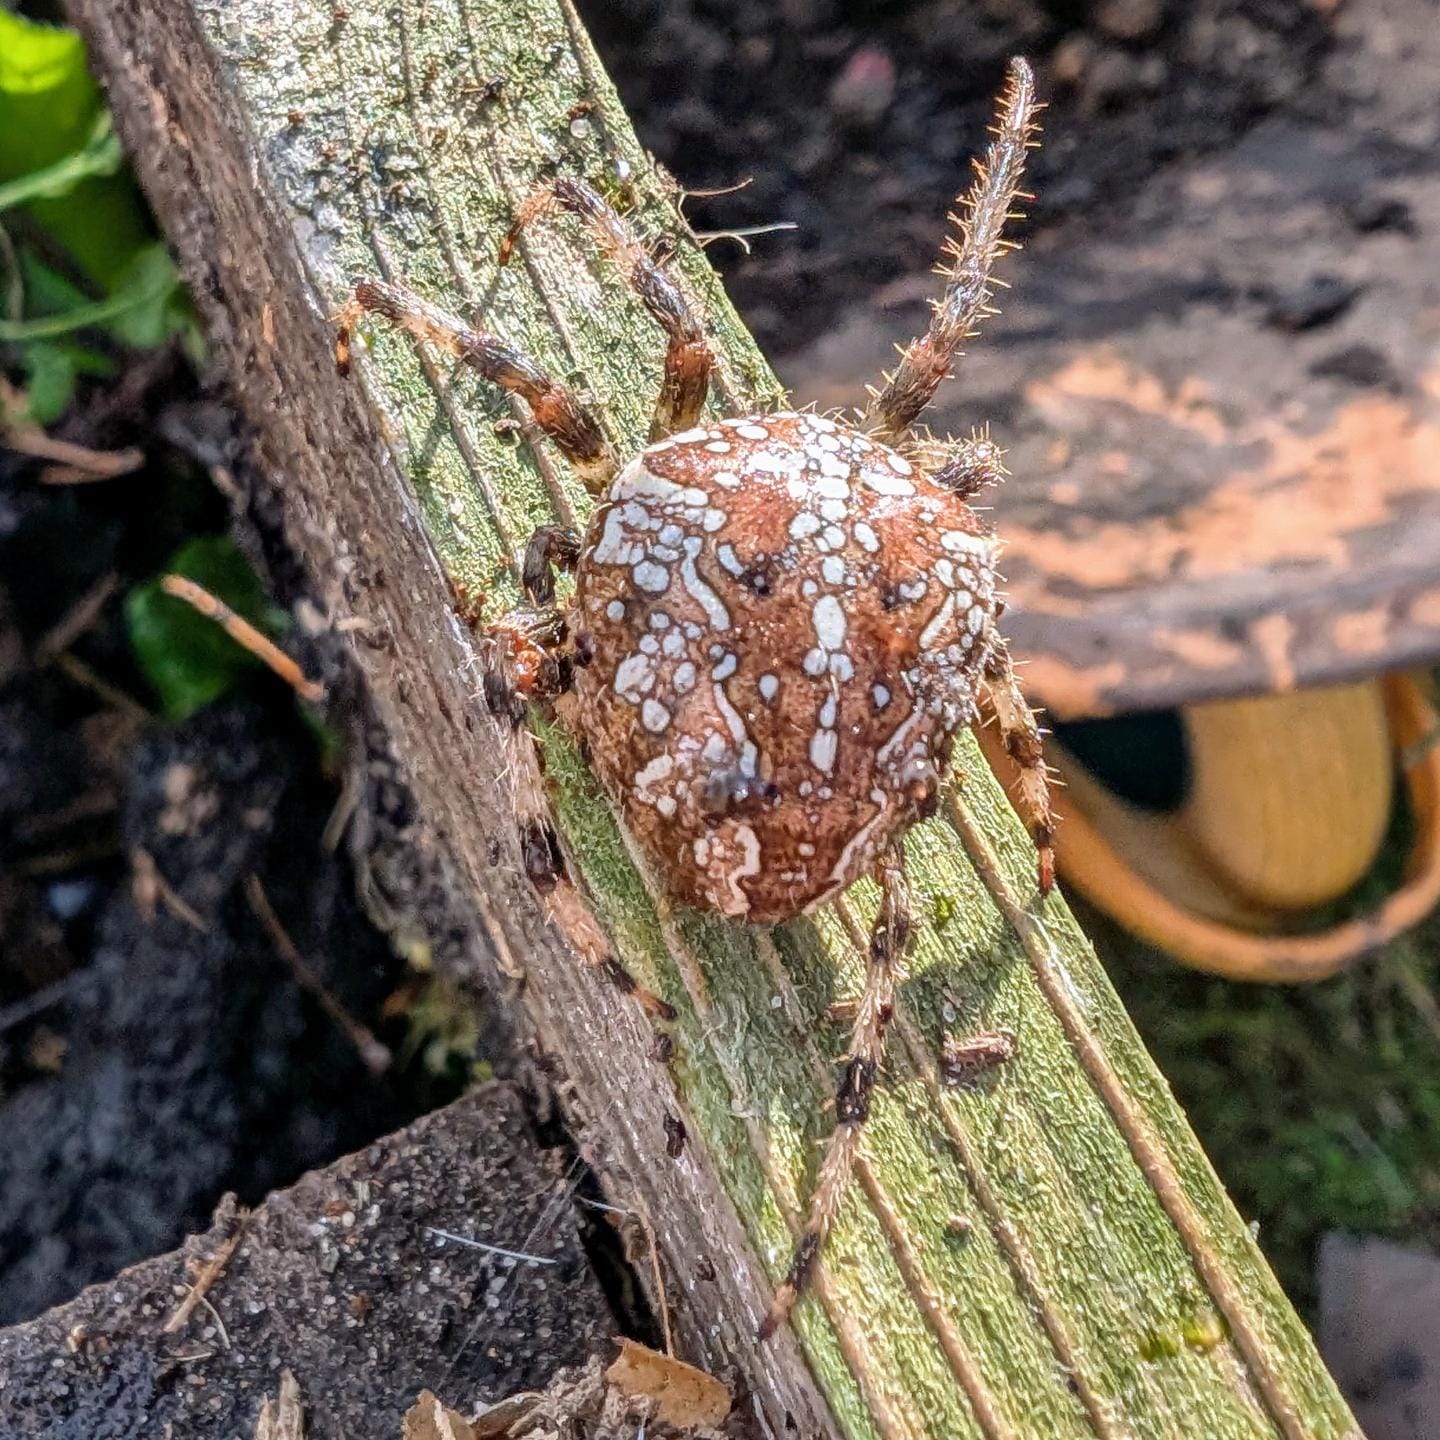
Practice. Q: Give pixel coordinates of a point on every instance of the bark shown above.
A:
(1046, 1253)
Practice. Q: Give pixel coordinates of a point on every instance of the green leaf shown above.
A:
(43, 60)
(51, 370)
(100, 155)
(47, 290)
(142, 311)
(152, 288)
(49, 111)
(49, 382)
(188, 659)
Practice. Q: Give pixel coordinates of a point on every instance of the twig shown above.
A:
(346, 804)
(205, 1277)
(83, 675)
(744, 235)
(76, 620)
(36, 1003)
(57, 862)
(219, 1323)
(85, 463)
(374, 1053)
(149, 885)
(93, 805)
(244, 634)
(176, 1361)
(644, 1222)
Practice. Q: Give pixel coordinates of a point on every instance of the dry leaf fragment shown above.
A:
(499, 1419)
(428, 1419)
(283, 1419)
(683, 1396)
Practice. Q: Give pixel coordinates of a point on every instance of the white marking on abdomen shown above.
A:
(709, 601)
(860, 838)
(749, 865)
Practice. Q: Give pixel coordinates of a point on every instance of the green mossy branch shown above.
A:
(1044, 1253)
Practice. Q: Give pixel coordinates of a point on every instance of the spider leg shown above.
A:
(551, 548)
(967, 263)
(1021, 736)
(688, 358)
(889, 943)
(556, 410)
(964, 467)
(516, 673)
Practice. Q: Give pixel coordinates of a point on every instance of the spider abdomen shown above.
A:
(787, 623)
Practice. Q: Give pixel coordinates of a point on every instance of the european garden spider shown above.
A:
(779, 623)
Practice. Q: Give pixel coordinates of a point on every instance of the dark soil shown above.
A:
(157, 1053)
(856, 122)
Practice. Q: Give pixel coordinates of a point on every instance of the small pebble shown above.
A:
(1129, 19)
(861, 93)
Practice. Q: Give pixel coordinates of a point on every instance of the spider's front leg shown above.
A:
(551, 548)
(688, 358)
(884, 963)
(967, 266)
(556, 409)
(1021, 737)
(529, 662)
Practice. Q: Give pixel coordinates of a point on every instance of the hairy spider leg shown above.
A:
(530, 662)
(688, 358)
(884, 964)
(1021, 737)
(967, 263)
(965, 466)
(555, 407)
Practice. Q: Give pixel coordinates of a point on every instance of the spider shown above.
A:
(779, 623)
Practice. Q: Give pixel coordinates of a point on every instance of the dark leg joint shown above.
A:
(852, 1100)
(544, 863)
(623, 981)
(806, 1253)
(796, 1279)
(889, 943)
(975, 467)
(551, 547)
(503, 700)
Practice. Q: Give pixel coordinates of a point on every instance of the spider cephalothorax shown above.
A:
(786, 624)
(779, 623)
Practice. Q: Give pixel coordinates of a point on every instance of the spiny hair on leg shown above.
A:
(1020, 734)
(889, 943)
(557, 410)
(967, 263)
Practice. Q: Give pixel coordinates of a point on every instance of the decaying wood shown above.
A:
(1104, 1286)
(341, 1281)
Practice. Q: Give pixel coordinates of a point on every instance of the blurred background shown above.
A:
(1216, 379)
